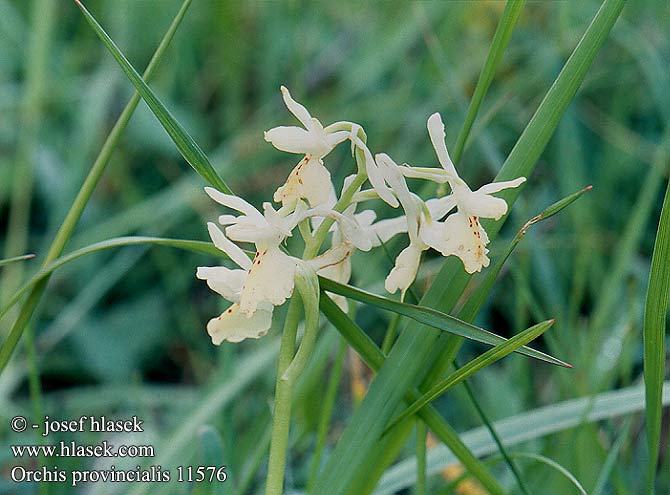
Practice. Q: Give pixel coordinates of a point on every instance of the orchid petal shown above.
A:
(231, 249)
(227, 219)
(365, 218)
(235, 326)
(258, 232)
(437, 137)
(438, 175)
(336, 138)
(462, 236)
(388, 228)
(309, 180)
(224, 281)
(404, 272)
(375, 174)
(293, 139)
(233, 202)
(352, 231)
(335, 264)
(270, 279)
(334, 256)
(439, 207)
(482, 205)
(296, 108)
(495, 187)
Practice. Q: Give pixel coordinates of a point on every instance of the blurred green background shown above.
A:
(123, 332)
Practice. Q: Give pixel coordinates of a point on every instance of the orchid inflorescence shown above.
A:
(309, 202)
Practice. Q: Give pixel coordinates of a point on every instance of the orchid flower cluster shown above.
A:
(310, 204)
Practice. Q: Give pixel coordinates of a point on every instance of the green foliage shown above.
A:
(120, 327)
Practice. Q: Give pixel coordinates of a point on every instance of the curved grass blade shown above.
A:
(554, 465)
(188, 148)
(656, 309)
(201, 247)
(15, 259)
(539, 458)
(524, 427)
(12, 339)
(486, 359)
(95, 173)
(432, 318)
(410, 355)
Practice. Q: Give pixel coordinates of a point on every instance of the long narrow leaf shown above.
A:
(85, 192)
(656, 309)
(432, 318)
(486, 359)
(181, 138)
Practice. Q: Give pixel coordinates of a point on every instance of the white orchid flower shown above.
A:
(309, 180)
(269, 279)
(461, 234)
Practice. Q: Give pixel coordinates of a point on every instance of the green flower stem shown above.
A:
(306, 233)
(308, 288)
(85, 192)
(347, 195)
(340, 206)
(290, 367)
(281, 417)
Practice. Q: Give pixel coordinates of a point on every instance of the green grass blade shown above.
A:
(525, 427)
(494, 434)
(499, 42)
(201, 247)
(486, 359)
(74, 214)
(656, 309)
(476, 300)
(9, 344)
(7, 261)
(409, 357)
(374, 358)
(181, 138)
(433, 318)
